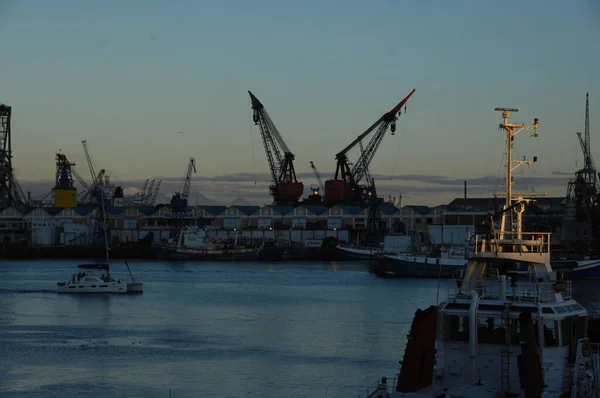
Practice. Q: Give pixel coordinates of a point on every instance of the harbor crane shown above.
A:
(317, 175)
(180, 199)
(11, 193)
(583, 197)
(97, 193)
(345, 187)
(285, 188)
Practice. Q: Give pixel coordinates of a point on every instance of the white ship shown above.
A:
(509, 327)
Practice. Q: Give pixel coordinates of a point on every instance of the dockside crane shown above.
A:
(65, 193)
(584, 189)
(346, 187)
(317, 175)
(180, 199)
(102, 223)
(285, 188)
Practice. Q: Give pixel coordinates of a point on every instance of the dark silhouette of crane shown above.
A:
(346, 187)
(285, 188)
(11, 193)
(180, 199)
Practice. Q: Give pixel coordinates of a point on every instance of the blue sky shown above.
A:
(128, 75)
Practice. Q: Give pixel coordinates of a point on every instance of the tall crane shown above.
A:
(102, 223)
(317, 175)
(11, 193)
(180, 199)
(65, 193)
(285, 188)
(345, 188)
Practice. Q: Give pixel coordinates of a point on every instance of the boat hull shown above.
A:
(81, 288)
(585, 269)
(135, 287)
(179, 253)
(352, 253)
(403, 266)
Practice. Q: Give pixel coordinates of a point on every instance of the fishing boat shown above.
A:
(193, 243)
(510, 326)
(400, 265)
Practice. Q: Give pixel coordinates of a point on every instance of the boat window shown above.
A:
(93, 285)
(576, 307)
(490, 330)
(551, 333)
(547, 310)
(490, 307)
(456, 328)
(560, 310)
(523, 309)
(458, 306)
(103, 285)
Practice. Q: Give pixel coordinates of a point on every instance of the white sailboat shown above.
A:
(509, 327)
(96, 278)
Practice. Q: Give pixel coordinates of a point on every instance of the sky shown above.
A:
(128, 76)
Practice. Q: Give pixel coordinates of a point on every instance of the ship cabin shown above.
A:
(508, 295)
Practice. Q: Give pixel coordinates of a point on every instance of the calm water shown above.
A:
(207, 329)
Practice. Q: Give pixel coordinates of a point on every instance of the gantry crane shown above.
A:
(285, 188)
(65, 193)
(345, 187)
(180, 199)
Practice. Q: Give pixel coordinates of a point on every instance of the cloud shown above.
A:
(254, 188)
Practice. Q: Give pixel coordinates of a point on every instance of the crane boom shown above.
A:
(285, 187)
(345, 185)
(187, 183)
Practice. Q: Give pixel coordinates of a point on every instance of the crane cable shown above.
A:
(252, 148)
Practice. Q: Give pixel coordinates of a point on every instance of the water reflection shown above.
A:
(7, 312)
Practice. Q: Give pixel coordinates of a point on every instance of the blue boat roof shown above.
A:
(214, 210)
(282, 209)
(147, 210)
(247, 209)
(316, 209)
(420, 209)
(388, 209)
(82, 211)
(352, 209)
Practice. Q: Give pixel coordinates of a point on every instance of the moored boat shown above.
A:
(92, 278)
(389, 265)
(193, 243)
(502, 332)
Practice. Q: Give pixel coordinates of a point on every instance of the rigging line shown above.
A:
(403, 129)
(252, 149)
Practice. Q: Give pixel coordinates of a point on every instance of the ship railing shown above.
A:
(511, 242)
(523, 291)
(586, 375)
(373, 389)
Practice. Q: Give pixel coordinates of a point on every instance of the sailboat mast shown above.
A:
(102, 206)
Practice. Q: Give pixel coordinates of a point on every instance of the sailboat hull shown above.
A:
(92, 288)
(135, 287)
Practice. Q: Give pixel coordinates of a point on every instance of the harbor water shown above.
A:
(210, 330)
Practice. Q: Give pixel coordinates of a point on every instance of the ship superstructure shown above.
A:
(510, 326)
